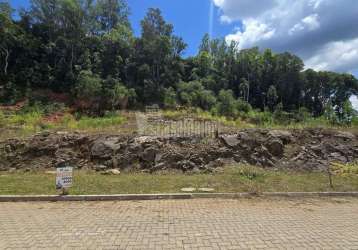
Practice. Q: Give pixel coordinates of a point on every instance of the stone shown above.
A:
(230, 140)
(186, 165)
(275, 147)
(149, 154)
(188, 190)
(285, 136)
(345, 135)
(105, 148)
(12, 170)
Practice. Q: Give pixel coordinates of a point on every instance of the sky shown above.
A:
(323, 33)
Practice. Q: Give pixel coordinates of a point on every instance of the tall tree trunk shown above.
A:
(7, 55)
(6, 61)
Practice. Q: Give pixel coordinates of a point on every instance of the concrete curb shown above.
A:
(134, 197)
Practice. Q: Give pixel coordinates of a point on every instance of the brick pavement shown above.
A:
(182, 224)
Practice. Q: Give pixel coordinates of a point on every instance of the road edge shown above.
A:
(174, 196)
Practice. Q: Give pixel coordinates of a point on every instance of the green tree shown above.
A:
(272, 97)
(88, 91)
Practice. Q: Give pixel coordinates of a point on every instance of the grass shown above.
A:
(255, 119)
(25, 124)
(233, 179)
(91, 123)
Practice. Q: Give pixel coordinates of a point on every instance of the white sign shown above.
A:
(64, 177)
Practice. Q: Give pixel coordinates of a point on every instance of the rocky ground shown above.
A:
(310, 149)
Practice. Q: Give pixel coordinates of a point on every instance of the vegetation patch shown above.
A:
(232, 179)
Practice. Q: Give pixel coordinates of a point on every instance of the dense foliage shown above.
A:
(86, 49)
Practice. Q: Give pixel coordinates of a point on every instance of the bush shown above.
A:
(170, 98)
(227, 105)
(194, 94)
(243, 106)
(261, 118)
(115, 94)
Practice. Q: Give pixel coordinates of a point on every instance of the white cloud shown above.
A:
(342, 56)
(322, 32)
(311, 22)
(243, 8)
(253, 31)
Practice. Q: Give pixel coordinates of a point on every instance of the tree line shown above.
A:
(87, 49)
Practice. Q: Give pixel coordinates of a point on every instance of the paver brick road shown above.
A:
(182, 224)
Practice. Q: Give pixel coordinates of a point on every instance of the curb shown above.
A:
(175, 196)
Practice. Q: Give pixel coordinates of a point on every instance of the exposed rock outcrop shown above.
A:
(310, 149)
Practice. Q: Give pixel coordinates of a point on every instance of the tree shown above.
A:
(88, 91)
(110, 14)
(205, 44)
(272, 97)
(244, 89)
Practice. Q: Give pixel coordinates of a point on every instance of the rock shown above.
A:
(149, 154)
(186, 165)
(247, 141)
(159, 166)
(218, 163)
(285, 136)
(188, 190)
(105, 148)
(275, 147)
(12, 170)
(306, 149)
(345, 135)
(230, 140)
(112, 172)
(338, 157)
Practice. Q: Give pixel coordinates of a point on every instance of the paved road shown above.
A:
(182, 224)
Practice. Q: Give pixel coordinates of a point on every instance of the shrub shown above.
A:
(243, 106)
(170, 98)
(261, 118)
(227, 105)
(250, 172)
(116, 94)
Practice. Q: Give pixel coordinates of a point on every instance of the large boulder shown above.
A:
(105, 148)
(230, 140)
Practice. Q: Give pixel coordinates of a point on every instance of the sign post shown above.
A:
(64, 179)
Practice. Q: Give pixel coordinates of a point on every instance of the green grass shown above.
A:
(91, 123)
(25, 124)
(233, 179)
(255, 119)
